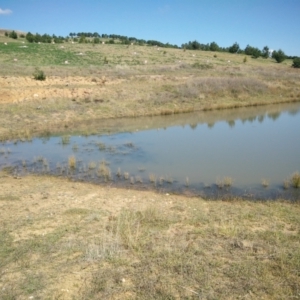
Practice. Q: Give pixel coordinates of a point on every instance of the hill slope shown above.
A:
(98, 81)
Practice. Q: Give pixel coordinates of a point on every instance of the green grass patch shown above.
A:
(9, 197)
(77, 211)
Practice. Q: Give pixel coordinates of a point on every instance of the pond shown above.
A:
(247, 152)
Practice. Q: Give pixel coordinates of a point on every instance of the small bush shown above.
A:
(13, 35)
(295, 180)
(279, 56)
(82, 40)
(96, 40)
(39, 74)
(296, 62)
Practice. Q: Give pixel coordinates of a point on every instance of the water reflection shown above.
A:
(190, 153)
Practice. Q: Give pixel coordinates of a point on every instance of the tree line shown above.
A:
(254, 52)
(116, 38)
(89, 37)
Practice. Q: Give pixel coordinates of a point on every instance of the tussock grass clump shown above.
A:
(119, 173)
(295, 180)
(219, 183)
(104, 171)
(187, 181)
(92, 165)
(65, 140)
(168, 179)
(102, 249)
(228, 181)
(129, 144)
(161, 180)
(265, 182)
(4, 151)
(101, 146)
(224, 182)
(152, 178)
(141, 169)
(286, 184)
(38, 159)
(72, 162)
(138, 179)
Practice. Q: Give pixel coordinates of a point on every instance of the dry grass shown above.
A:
(92, 165)
(104, 171)
(152, 178)
(286, 184)
(119, 173)
(265, 182)
(66, 240)
(228, 181)
(72, 162)
(224, 182)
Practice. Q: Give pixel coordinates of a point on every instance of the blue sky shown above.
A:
(259, 23)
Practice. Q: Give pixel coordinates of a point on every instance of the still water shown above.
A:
(191, 153)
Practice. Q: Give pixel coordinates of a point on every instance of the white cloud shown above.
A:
(5, 11)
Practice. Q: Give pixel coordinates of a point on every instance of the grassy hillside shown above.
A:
(87, 81)
(85, 55)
